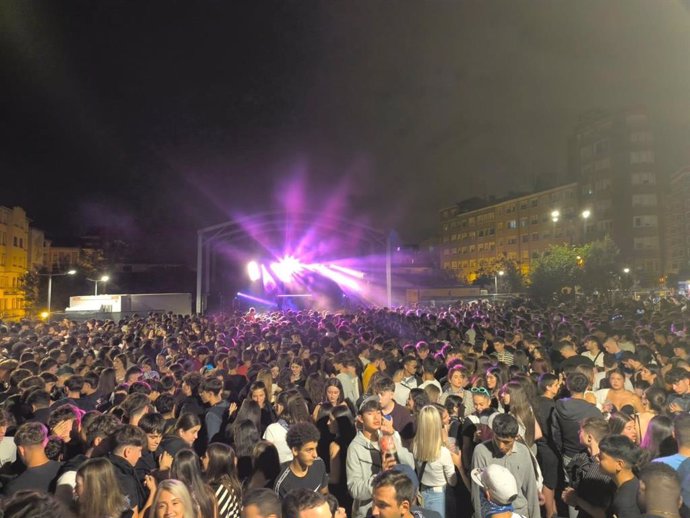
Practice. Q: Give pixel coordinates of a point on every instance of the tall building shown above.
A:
(14, 260)
(611, 156)
(677, 223)
(519, 228)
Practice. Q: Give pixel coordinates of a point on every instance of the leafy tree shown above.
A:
(592, 266)
(600, 269)
(28, 286)
(559, 267)
(510, 281)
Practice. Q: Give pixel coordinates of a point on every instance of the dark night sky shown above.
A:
(162, 117)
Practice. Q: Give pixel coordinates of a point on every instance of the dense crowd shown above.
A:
(488, 409)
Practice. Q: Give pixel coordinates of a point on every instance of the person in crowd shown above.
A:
(681, 433)
(97, 491)
(620, 458)
(435, 464)
(659, 494)
(594, 351)
(173, 499)
(41, 472)
(621, 423)
(505, 450)
(183, 434)
(653, 404)
(303, 503)
(216, 414)
(261, 503)
(394, 496)
(384, 388)
(591, 490)
(292, 408)
(679, 380)
(567, 414)
(264, 466)
(220, 472)
(306, 470)
(475, 427)
(128, 444)
(408, 379)
(457, 381)
(658, 439)
(366, 456)
(347, 375)
(497, 491)
(516, 401)
(34, 504)
(616, 396)
(342, 427)
(186, 467)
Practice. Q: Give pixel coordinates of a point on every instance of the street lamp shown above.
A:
(103, 279)
(555, 215)
(50, 283)
(500, 273)
(585, 216)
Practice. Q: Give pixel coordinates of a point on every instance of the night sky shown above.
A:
(162, 117)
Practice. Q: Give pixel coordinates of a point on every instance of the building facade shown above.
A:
(612, 159)
(613, 192)
(677, 223)
(518, 229)
(14, 260)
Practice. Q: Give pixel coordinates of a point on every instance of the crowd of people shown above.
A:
(485, 409)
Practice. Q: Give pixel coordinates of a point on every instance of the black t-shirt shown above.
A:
(624, 503)
(41, 478)
(315, 479)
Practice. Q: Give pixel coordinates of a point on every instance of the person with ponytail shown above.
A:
(621, 458)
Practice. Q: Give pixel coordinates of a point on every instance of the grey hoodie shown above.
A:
(565, 424)
(363, 463)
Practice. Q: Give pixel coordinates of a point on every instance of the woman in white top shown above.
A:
(291, 408)
(435, 464)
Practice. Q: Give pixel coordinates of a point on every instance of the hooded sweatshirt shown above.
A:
(565, 424)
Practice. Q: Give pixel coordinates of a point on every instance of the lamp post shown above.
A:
(555, 216)
(103, 279)
(50, 283)
(496, 276)
(585, 216)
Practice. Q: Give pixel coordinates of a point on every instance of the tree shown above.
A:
(511, 281)
(559, 267)
(28, 286)
(592, 267)
(600, 268)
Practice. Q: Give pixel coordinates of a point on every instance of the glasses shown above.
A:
(480, 390)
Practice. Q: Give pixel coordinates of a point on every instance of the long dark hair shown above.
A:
(186, 467)
(245, 436)
(222, 468)
(345, 423)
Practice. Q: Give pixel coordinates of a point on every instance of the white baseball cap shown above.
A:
(498, 481)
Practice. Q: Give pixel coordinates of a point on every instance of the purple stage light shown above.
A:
(340, 279)
(347, 271)
(256, 299)
(286, 268)
(253, 271)
(269, 281)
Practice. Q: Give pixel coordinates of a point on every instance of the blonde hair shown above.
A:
(179, 490)
(427, 441)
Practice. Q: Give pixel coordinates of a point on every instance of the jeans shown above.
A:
(434, 498)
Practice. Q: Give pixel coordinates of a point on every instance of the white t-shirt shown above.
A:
(8, 450)
(598, 362)
(276, 434)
